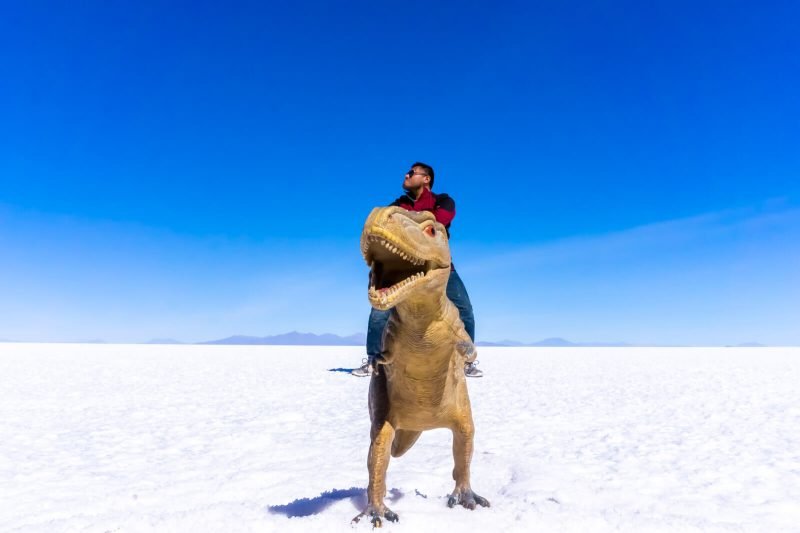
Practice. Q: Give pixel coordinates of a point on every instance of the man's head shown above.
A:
(419, 177)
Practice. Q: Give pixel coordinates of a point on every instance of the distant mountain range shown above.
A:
(553, 342)
(359, 339)
(296, 338)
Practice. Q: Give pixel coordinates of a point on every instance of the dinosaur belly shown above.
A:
(420, 400)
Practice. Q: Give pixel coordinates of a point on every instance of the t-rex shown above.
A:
(419, 381)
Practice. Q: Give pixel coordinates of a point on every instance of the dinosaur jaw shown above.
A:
(395, 272)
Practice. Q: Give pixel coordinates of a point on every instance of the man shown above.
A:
(418, 183)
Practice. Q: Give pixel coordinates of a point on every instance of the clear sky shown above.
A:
(193, 170)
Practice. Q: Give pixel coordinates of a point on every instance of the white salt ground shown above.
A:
(124, 438)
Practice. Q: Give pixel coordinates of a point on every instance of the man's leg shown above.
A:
(377, 323)
(375, 327)
(457, 293)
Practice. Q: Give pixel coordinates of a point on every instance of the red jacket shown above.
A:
(441, 205)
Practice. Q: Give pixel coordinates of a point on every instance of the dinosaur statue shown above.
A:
(419, 381)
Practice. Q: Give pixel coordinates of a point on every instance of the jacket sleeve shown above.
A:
(444, 210)
(403, 201)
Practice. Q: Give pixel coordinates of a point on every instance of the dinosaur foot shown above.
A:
(467, 498)
(375, 516)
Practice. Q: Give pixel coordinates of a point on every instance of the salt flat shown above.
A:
(228, 438)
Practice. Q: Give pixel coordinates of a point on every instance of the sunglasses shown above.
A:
(412, 173)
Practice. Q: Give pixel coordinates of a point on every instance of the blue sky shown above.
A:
(194, 170)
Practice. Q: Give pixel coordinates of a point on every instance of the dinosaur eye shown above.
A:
(430, 230)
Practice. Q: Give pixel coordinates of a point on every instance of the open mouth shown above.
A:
(394, 270)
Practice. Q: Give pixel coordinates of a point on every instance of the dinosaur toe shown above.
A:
(468, 499)
(376, 516)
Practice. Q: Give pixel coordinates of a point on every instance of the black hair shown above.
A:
(427, 168)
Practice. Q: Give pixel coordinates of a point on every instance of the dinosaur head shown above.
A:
(408, 255)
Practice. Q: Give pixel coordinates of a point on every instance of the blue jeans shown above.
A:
(456, 293)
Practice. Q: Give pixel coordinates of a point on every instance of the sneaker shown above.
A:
(471, 370)
(364, 370)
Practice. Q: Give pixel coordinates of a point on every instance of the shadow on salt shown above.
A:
(311, 506)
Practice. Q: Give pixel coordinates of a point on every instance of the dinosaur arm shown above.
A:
(467, 350)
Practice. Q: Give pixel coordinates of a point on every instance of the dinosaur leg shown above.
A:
(381, 436)
(377, 463)
(463, 434)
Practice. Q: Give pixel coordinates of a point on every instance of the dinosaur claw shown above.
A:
(467, 499)
(375, 516)
(483, 502)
